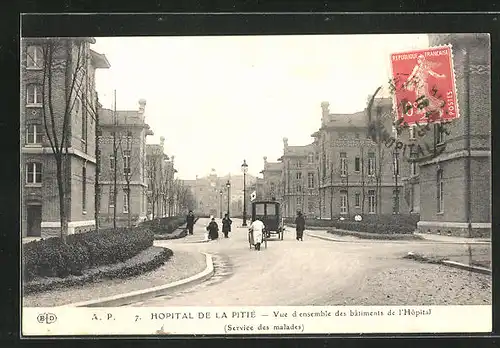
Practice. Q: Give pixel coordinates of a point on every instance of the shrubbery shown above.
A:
(164, 225)
(53, 258)
(380, 224)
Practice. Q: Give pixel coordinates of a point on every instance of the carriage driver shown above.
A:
(256, 229)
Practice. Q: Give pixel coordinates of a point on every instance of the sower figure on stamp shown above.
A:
(190, 222)
(226, 225)
(213, 230)
(300, 226)
(256, 231)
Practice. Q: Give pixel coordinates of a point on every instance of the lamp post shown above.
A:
(228, 185)
(220, 192)
(244, 169)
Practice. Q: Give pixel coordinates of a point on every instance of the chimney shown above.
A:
(162, 141)
(325, 113)
(285, 142)
(265, 160)
(142, 106)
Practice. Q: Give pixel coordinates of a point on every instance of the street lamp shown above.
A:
(228, 185)
(244, 169)
(220, 203)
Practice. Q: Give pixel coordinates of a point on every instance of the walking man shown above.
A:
(300, 226)
(256, 229)
(190, 222)
(226, 225)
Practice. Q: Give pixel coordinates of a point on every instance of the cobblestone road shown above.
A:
(319, 272)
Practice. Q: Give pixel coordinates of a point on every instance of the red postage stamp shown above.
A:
(423, 82)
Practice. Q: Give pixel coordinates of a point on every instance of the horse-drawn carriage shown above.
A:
(269, 212)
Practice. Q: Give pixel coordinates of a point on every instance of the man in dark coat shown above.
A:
(300, 226)
(226, 225)
(190, 222)
(213, 230)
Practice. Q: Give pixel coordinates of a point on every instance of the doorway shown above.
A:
(34, 215)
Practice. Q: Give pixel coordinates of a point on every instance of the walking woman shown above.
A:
(213, 230)
(226, 225)
(300, 226)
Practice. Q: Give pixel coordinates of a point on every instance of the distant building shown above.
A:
(453, 190)
(130, 129)
(299, 180)
(272, 181)
(356, 175)
(40, 210)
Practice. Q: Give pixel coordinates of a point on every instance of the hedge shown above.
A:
(164, 225)
(158, 257)
(384, 224)
(53, 258)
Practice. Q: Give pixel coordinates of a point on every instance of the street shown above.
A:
(319, 272)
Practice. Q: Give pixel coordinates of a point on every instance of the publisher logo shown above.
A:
(46, 318)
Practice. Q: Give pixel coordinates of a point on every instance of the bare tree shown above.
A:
(64, 57)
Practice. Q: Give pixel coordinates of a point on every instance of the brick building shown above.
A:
(160, 171)
(71, 66)
(454, 188)
(272, 184)
(356, 175)
(299, 180)
(130, 129)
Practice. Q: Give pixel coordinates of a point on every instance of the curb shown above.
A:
(465, 267)
(141, 295)
(361, 240)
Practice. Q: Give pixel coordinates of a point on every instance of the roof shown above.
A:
(357, 119)
(273, 166)
(123, 117)
(301, 151)
(99, 60)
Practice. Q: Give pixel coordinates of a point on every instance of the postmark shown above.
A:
(424, 87)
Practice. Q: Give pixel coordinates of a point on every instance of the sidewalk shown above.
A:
(453, 239)
(427, 238)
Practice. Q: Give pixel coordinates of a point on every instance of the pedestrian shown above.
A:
(300, 226)
(226, 225)
(190, 222)
(256, 231)
(213, 230)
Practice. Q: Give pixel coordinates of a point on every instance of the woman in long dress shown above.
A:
(418, 82)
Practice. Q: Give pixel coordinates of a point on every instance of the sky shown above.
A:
(223, 99)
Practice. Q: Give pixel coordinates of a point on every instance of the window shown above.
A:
(343, 164)
(371, 163)
(310, 158)
(411, 130)
(396, 163)
(395, 201)
(126, 162)
(357, 200)
(298, 188)
(270, 209)
(33, 134)
(84, 189)
(259, 209)
(112, 162)
(111, 197)
(298, 164)
(413, 166)
(33, 173)
(34, 95)
(298, 176)
(273, 187)
(34, 57)
(371, 201)
(440, 191)
(310, 206)
(343, 202)
(357, 164)
(356, 135)
(125, 201)
(310, 180)
(439, 134)
(299, 200)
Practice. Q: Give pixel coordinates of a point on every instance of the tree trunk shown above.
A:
(62, 196)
